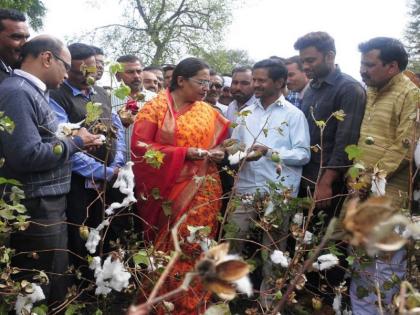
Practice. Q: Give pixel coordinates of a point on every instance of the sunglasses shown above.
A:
(216, 85)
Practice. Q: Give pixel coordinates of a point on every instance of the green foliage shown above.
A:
(355, 170)
(122, 91)
(353, 152)
(412, 35)
(74, 309)
(93, 112)
(116, 67)
(40, 310)
(154, 158)
(141, 257)
(224, 60)
(34, 9)
(6, 124)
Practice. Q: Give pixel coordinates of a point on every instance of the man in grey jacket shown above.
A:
(39, 160)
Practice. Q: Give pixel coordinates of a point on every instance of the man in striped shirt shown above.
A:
(386, 129)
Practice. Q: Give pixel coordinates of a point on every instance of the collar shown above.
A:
(301, 93)
(35, 80)
(395, 80)
(76, 91)
(281, 101)
(330, 79)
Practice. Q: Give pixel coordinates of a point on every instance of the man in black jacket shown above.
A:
(13, 34)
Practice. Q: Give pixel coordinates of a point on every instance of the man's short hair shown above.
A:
(98, 50)
(322, 41)
(10, 14)
(296, 60)
(128, 59)
(40, 44)
(241, 69)
(168, 66)
(152, 68)
(276, 69)
(277, 58)
(390, 49)
(80, 51)
(214, 73)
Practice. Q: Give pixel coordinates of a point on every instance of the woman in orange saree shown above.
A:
(188, 132)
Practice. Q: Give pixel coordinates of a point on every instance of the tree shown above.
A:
(163, 30)
(224, 60)
(412, 35)
(34, 9)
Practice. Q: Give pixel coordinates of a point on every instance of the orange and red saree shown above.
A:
(161, 128)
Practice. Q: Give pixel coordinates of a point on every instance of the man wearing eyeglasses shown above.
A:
(215, 90)
(13, 34)
(39, 161)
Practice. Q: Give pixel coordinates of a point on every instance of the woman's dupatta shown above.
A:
(172, 184)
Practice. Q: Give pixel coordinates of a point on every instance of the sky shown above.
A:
(263, 27)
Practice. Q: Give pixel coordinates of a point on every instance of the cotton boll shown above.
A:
(269, 209)
(325, 262)
(308, 237)
(236, 158)
(378, 186)
(278, 257)
(65, 130)
(92, 241)
(244, 285)
(25, 302)
(298, 219)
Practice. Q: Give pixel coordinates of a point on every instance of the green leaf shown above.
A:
(264, 254)
(141, 257)
(339, 115)
(244, 113)
(7, 124)
(93, 112)
(353, 152)
(278, 295)
(265, 131)
(320, 123)
(40, 310)
(154, 158)
(218, 309)
(7, 214)
(74, 309)
(14, 182)
(167, 208)
(350, 260)
(116, 67)
(98, 312)
(233, 125)
(122, 91)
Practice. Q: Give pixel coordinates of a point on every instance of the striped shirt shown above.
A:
(389, 119)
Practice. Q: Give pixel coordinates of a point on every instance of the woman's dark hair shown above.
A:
(187, 68)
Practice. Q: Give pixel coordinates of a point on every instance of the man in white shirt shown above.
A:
(274, 127)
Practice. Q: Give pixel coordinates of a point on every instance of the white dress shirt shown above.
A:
(286, 132)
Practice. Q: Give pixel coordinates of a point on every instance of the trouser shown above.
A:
(385, 272)
(242, 217)
(85, 208)
(48, 243)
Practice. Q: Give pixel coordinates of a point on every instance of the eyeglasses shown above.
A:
(216, 85)
(203, 83)
(66, 65)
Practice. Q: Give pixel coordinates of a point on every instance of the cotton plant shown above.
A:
(24, 303)
(94, 237)
(199, 235)
(112, 275)
(125, 183)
